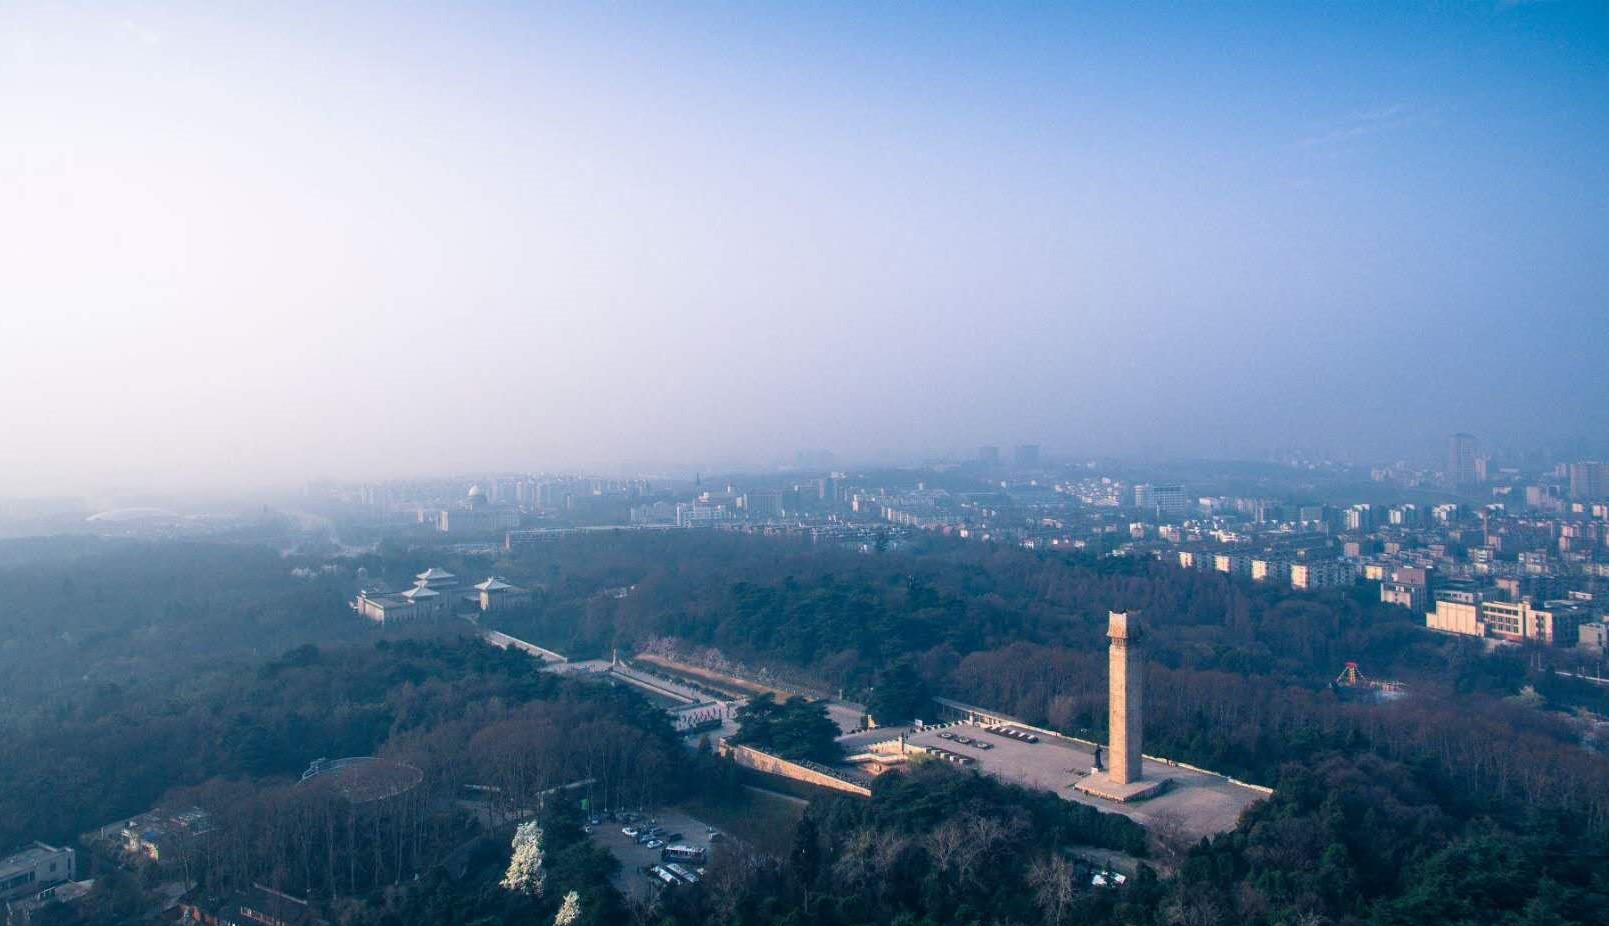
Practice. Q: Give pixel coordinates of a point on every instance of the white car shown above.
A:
(630, 831)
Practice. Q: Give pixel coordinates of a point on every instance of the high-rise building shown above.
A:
(1461, 459)
(1589, 481)
(1026, 455)
(1167, 500)
(989, 455)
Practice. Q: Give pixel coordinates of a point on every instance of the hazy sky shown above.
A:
(243, 242)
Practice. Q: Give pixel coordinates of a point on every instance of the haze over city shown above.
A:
(813, 464)
(269, 242)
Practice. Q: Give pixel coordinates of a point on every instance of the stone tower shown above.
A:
(1126, 696)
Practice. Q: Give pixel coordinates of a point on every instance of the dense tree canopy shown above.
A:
(797, 728)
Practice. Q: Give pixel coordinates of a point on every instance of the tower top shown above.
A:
(1124, 625)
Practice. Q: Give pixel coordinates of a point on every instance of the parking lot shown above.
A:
(634, 857)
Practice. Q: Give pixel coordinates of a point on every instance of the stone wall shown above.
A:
(749, 757)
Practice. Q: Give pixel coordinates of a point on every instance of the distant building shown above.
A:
(477, 515)
(1470, 612)
(1558, 623)
(1169, 500)
(692, 514)
(989, 455)
(1457, 610)
(1461, 459)
(1408, 588)
(434, 594)
(1589, 481)
(437, 593)
(33, 870)
(1593, 637)
(494, 594)
(1309, 576)
(1270, 569)
(763, 504)
(1235, 564)
(1026, 455)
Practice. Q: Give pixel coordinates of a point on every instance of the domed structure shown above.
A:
(475, 491)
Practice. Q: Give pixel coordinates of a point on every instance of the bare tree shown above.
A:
(1055, 885)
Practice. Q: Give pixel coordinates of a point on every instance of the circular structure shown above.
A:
(363, 779)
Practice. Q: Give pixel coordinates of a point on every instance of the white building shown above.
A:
(494, 594)
(1270, 569)
(477, 515)
(434, 594)
(438, 593)
(34, 870)
(1321, 574)
(700, 515)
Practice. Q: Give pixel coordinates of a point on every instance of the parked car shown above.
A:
(631, 831)
(980, 744)
(655, 844)
(946, 735)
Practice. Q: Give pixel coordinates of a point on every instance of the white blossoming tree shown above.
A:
(525, 872)
(569, 911)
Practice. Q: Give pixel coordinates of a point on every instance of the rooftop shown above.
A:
(28, 857)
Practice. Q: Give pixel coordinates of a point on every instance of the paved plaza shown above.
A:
(1203, 804)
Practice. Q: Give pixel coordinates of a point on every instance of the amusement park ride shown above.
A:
(1355, 683)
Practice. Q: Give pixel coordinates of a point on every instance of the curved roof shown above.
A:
(435, 572)
(421, 591)
(493, 584)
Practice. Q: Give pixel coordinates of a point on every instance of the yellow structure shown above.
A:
(1126, 692)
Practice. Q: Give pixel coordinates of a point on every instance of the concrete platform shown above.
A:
(1199, 803)
(1101, 785)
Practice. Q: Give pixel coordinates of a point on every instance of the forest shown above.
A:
(1483, 751)
(1472, 800)
(234, 743)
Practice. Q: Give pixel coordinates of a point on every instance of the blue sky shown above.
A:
(587, 234)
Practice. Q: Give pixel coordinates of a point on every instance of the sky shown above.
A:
(251, 243)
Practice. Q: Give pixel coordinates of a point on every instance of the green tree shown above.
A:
(901, 696)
